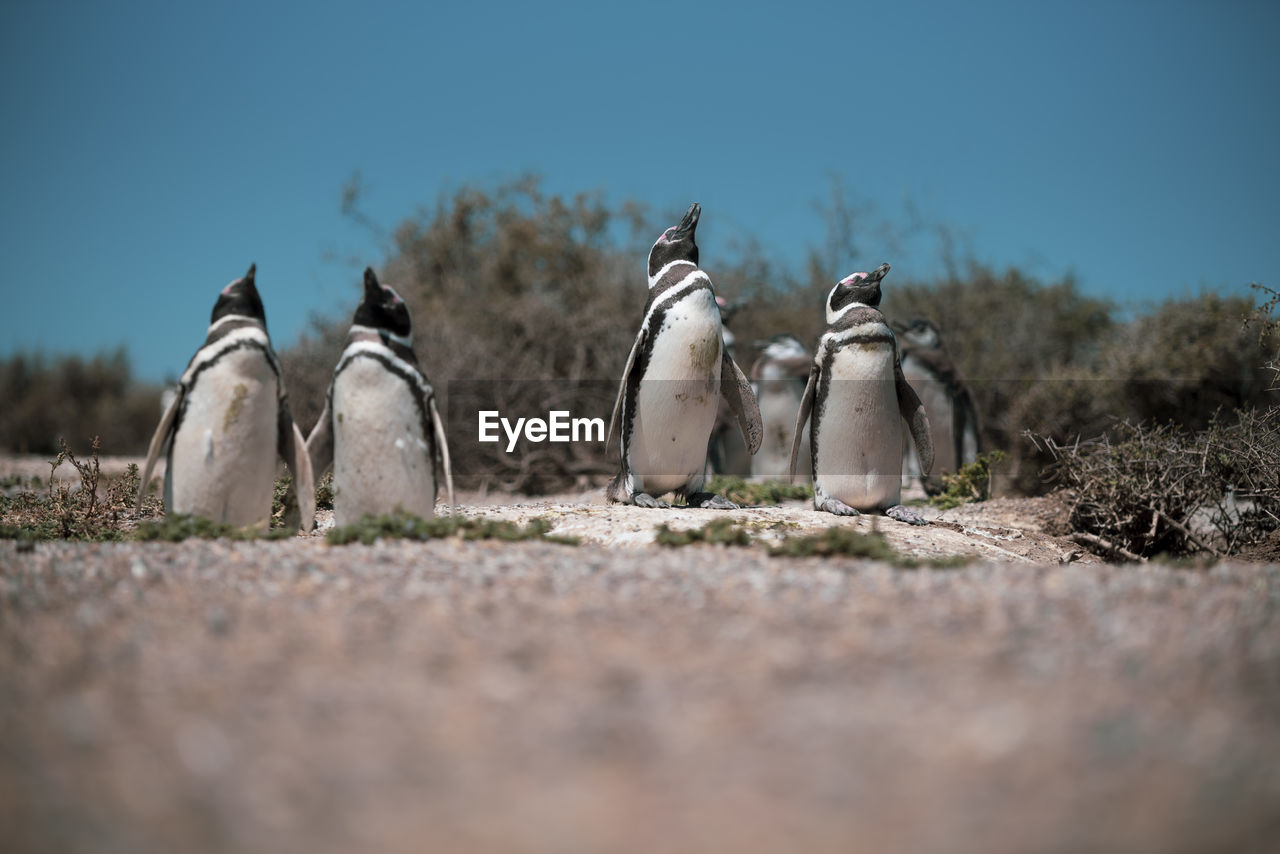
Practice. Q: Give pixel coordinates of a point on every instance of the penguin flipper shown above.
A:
(622, 387)
(158, 442)
(320, 442)
(306, 483)
(912, 411)
(802, 417)
(293, 449)
(442, 449)
(737, 391)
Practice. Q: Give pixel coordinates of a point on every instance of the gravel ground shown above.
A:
(529, 697)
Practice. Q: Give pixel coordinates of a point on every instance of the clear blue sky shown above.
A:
(151, 150)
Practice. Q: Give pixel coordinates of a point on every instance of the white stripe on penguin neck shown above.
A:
(377, 350)
(236, 338)
(657, 277)
(403, 340)
(677, 292)
(228, 318)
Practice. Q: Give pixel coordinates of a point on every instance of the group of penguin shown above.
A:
(229, 419)
(779, 377)
(381, 431)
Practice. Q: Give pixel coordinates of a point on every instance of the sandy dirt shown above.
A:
(621, 696)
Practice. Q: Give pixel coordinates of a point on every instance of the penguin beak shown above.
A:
(245, 282)
(372, 290)
(876, 275)
(689, 224)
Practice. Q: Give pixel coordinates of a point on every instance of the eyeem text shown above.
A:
(557, 427)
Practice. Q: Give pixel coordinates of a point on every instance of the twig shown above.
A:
(1092, 540)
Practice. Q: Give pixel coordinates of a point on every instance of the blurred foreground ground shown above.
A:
(618, 696)
(459, 696)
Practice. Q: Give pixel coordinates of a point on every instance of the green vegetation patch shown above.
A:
(839, 541)
(836, 541)
(725, 531)
(404, 526)
(971, 483)
(324, 492)
(284, 502)
(752, 493)
(176, 528)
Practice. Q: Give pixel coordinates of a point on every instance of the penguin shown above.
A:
(670, 389)
(727, 452)
(858, 398)
(380, 428)
(953, 416)
(778, 379)
(227, 422)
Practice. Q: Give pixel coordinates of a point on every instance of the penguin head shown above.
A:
(783, 346)
(781, 357)
(382, 309)
(676, 243)
(919, 334)
(240, 299)
(855, 289)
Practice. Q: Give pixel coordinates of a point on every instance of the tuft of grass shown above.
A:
(971, 483)
(838, 541)
(753, 493)
(176, 528)
(284, 504)
(324, 492)
(724, 531)
(282, 501)
(405, 526)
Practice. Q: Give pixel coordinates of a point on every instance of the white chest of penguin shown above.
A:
(858, 430)
(376, 418)
(224, 451)
(679, 395)
(682, 377)
(688, 344)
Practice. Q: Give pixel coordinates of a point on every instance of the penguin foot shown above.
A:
(644, 499)
(839, 508)
(710, 501)
(905, 514)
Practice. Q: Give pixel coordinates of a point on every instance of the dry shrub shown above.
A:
(1152, 490)
(98, 509)
(1051, 361)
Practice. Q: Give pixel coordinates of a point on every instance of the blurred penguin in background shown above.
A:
(778, 378)
(953, 416)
